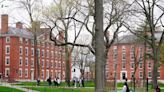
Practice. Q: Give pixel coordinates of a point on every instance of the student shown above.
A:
(49, 81)
(38, 82)
(157, 89)
(125, 87)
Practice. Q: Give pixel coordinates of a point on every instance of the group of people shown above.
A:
(78, 82)
(56, 81)
(126, 87)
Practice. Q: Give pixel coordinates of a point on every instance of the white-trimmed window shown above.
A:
(20, 61)
(32, 51)
(149, 64)
(51, 63)
(7, 39)
(26, 72)
(20, 72)
(42, 62)
(21, 40)
(149, 74)
(140, 65)
(26, 51)
(42, 53)
(7, 49)
(132, 74)
(132, 65)
(158, 74)
(42, 74)
(7, 60)
(26, 41)
(52, 54)
(26, 61)
(32, 42)
(7, 72)
(20, 50)
(38, 52)
(32, 62)
(140, 74)
(47, 63)
(47, 53)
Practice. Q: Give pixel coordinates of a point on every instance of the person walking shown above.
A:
(125, 87)
(157, 89)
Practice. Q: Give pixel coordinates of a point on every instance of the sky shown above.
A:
(15, 13)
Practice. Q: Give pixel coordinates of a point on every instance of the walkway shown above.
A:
(17, 87)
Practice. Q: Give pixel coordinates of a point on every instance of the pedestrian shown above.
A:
(125, 87)
(58, 81)
(82, 81)
(38, 82)
(49, 81)
(55, 82)
(157, 89)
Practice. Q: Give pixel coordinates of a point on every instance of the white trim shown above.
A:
(7, 69)
(7, 57)
(121, 74)
(7, 47)
(26, 71)
(7, 38)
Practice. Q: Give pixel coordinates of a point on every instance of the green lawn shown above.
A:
(54, 89)
(7, 89)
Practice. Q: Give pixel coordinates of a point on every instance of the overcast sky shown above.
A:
(16, 14)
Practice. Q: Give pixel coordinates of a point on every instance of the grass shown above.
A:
(54, 89)
(7, 89)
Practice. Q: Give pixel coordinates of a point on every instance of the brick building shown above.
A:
(17, 54)
(126, 57)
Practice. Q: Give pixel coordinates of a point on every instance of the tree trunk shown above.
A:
(99, 48)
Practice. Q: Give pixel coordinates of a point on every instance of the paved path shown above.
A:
(18, 87)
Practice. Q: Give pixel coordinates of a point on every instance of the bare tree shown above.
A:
(148, 8)
(32, 8)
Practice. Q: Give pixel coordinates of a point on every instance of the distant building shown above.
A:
(126, 55)
(18, 60)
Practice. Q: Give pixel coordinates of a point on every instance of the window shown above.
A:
(42, 53)
(26, 51)
(20, 61)
(7, 59)
(42, 63)
(132, 49)
(149, 64)
(32, 62)
(21, 40)
(26, 62)
(51, 64)
(158, 74)
(123, 65)
(20, 50)
(32, 51)
(149, 74)
(7, 39)
(42, 74)
(7, 72)
(32, 42)
(47, 53)
(38, 52)
(52, 54)
(20, 72)
(7, 49)
(140, 65)
(47, 64)
(26, 41)
(132, 65)
(140, 74)
(132, 56)
(132, 74)
(26, 72)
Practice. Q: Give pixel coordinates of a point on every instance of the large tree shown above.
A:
(148, 10)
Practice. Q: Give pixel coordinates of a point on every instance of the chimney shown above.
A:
(19, 25)
(4, 23)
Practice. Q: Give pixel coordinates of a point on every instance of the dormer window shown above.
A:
(7, 39)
